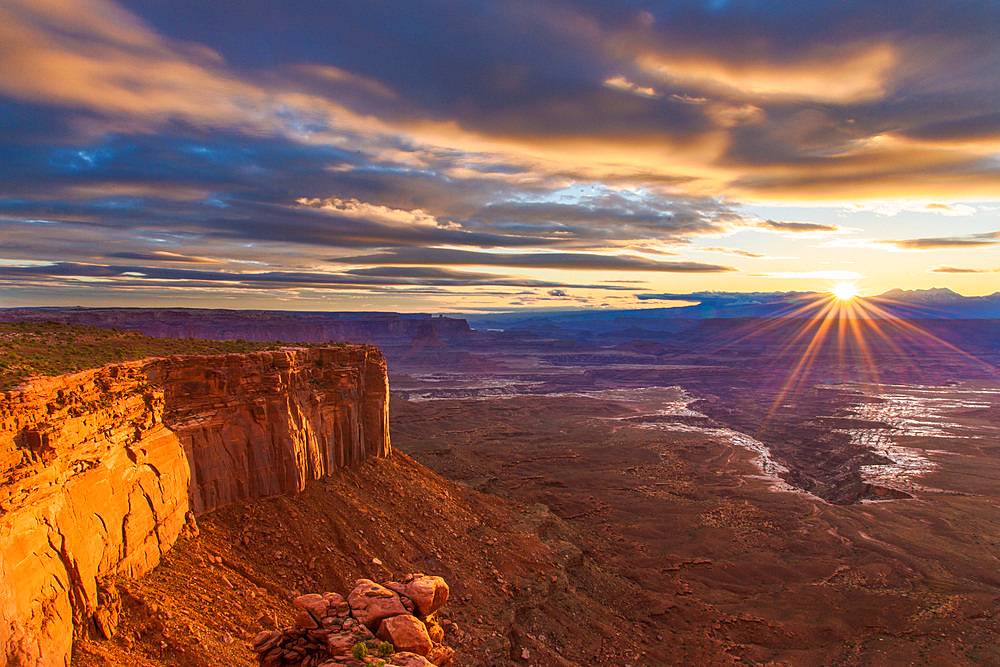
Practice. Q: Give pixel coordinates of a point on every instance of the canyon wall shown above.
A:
(264, 423)
(254, 325)
(100, 468)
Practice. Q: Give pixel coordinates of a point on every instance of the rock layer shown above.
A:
(100, 468)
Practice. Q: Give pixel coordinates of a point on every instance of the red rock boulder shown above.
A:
(405, 659)
(371, 603)
(442, 656)
(406, 633)
(427, 593)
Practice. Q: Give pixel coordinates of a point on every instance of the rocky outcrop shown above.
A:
(371, 604)
(100, 469)
(329, 631)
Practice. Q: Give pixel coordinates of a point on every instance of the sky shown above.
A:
(451, 156)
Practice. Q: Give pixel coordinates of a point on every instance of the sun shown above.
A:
(844, 291)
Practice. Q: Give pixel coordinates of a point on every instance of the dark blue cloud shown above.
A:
(146, 276)
(547, 260)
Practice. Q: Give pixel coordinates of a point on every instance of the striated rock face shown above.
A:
(99, 469)
(263, 423)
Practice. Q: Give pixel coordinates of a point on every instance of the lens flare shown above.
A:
(840, 336)
(845, 291)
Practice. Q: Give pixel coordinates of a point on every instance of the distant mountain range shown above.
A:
(934, 303)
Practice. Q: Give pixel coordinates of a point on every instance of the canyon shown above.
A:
(103, 469)
(711, 492)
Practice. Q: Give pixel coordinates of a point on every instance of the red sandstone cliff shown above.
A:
(99, 468)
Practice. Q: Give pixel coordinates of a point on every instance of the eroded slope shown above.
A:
(519, 584)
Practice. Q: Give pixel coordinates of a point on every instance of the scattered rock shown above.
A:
(266, 640)
(327, 627)
(340, 643)
(106, 622)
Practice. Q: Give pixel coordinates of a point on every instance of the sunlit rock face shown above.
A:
(100, 468)
(94, 485)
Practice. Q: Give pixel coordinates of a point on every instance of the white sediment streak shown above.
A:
(917, 411)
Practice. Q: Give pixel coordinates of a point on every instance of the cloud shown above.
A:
(621, 83)
(734, 251)
(422, 272)
(728, 299)
(586, 135)
(849, 73)
(969, 128)
(110, 276)
(557, 292)
(955, 269)
(947, 242)
(798, 227)
(546, 260)
(895, 207)
(163, 256)
(352, 208)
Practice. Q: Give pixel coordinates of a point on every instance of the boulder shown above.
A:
(314, 604)
(305, 620)
(405, 659)
(434, 631)
(340, 643)
(442, 656)
(427, 593)
(406, 633)
(371, 603)
(266, 640)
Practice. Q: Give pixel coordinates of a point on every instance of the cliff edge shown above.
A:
(101, 468)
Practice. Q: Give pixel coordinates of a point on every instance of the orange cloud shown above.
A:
(352, 208)
(621, 83)
(94, 55)
(844, 74)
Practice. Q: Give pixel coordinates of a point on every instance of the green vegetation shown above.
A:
(359, 651)
(46, 348)
(385, 649)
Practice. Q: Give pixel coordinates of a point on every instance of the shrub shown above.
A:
(385, 649)
(359, 651)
